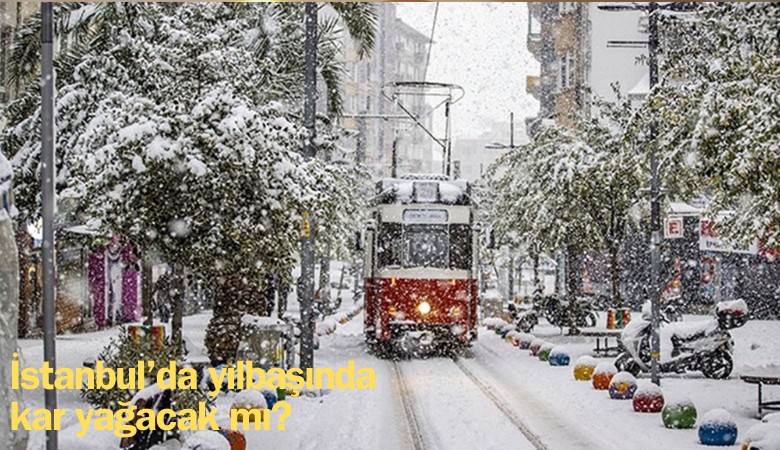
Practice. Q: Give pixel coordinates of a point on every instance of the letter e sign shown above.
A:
(673, 228)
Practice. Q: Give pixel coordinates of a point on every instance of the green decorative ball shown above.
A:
(544, 354)
(679, 415)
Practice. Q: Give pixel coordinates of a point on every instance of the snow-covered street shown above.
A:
(433, 403)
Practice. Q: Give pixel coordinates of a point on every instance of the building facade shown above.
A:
(375, 123)
(583, 52)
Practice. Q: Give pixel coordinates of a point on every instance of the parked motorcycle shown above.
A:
(705, 346)
(525, 319)
(557, 311)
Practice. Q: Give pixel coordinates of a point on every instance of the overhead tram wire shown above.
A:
(430, 43)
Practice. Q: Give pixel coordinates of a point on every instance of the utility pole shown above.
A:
(47, 188)
(310, 151)
(655, 206)
(653, 9)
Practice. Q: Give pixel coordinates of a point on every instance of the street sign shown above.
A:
(711, 241)
(673, 228)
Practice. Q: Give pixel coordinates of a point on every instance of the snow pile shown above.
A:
(525, 337)
(493, 322)
(559, 350)
(423, 189)
(679, 402)
(586, 360)
(764, 436)
(734, 306)
(206, 440)
(491, 294)
(170, 444)
(327, 326)
(717, 417)
(249, 399)
(546, 347)
(605, 368)
(648, 389)
(623, 377)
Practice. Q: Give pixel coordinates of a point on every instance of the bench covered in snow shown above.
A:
(760, 377)
(605, 334)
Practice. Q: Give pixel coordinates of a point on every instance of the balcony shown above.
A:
(533, 85)
(534, 44)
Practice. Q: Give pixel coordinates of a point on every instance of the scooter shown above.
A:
(525, 319)
(706, 346)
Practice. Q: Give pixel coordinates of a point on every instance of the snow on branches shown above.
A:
(718, 108)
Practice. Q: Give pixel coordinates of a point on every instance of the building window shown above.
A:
(566, 70)
(567, 7)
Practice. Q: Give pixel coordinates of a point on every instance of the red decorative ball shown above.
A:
(648, 402)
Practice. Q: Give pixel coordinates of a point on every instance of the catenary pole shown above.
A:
(47, 188)
(310, 151)
(655, 206)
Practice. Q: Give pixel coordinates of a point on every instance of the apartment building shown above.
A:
(583, 51)
(399, 55)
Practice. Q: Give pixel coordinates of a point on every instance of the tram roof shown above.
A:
(423, 190)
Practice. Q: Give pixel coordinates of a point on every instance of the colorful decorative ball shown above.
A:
(584, 367)
(602, 375)
(648, 398)
(235, 438)
(544, 352)
(717, 427)
(207, 440)
(506, 329)
(524, 341)
(535, 346)
(247, 400)
(622, 386)
(491, 323)
(270, 398)
(559, 356)
(679, 414)
(762, 436)
(512, 338)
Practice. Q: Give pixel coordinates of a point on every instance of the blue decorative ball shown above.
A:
(270, 398)
(559, 357)
(717, 428)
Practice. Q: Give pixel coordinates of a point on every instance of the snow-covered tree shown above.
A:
(9, 308)
(717, 111)
(538, 196)
(573, 188)
(179, 129)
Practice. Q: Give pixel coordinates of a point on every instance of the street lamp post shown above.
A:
(310, 151)
(47, 195)
(653, 8)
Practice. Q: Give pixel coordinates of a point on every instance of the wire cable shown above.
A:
(430, 43)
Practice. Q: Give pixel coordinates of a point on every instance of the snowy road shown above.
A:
(446, 408)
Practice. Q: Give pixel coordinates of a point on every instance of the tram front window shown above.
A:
(426, 246)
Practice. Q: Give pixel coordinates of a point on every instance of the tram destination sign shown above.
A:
(430, 216)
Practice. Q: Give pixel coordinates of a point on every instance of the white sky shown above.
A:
(480, 46)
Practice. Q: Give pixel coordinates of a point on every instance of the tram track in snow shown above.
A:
(532, 437)
(423, 436)
(408, 403)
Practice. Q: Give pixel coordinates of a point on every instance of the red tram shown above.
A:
(420, 268)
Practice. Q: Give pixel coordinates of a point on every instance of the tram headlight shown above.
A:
(456, 312)
(424, 308)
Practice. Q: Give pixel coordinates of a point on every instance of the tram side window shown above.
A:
(460, 246)
(390, 245)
